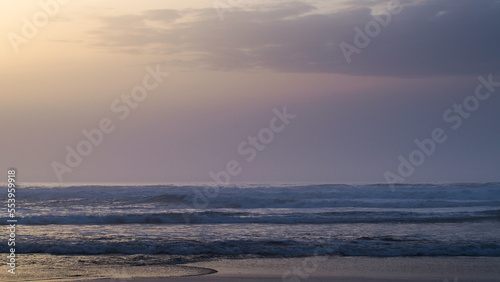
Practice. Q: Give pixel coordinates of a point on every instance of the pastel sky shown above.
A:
(230, 64)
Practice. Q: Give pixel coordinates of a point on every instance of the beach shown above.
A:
(352, 269)
(248, 232)
(234, 140)
(311, 268)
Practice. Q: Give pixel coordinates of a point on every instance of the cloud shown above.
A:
(430, 37)
(164, 15)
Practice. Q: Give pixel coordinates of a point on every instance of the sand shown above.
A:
(351, 269)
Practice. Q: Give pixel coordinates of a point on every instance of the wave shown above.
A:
(227, 217)
(260, 220)
(363, 246)
(259, 196)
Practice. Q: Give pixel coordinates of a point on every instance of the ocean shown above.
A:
(177, 224)
(259, 220)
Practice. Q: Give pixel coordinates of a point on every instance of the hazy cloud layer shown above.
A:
(434, 37)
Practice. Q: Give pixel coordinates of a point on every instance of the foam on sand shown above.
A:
(83, 268)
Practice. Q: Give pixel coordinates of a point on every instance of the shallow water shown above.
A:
(39, 267)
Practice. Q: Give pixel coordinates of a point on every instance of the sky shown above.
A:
(360, 82)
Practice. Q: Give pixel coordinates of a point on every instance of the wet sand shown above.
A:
(351, 269)
(43, 267)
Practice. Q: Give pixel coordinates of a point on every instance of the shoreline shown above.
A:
(324, 268)
(297, 269)
(321, 268)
